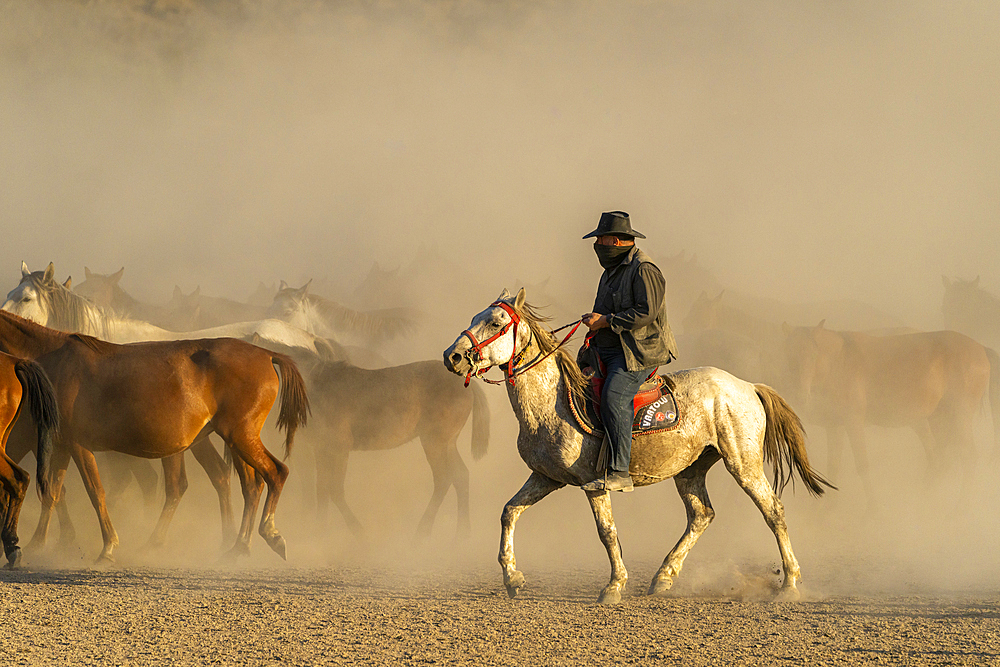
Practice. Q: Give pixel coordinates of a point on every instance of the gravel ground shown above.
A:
(368, 616)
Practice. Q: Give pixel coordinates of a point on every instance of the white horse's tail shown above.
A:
(480, 423)
(785, 444)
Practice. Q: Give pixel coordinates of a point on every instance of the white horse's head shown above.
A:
(494, 336)
(30, 299)
(292, 305)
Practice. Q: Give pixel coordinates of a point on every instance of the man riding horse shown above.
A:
(630, 335)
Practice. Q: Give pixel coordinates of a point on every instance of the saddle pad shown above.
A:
(655, 409)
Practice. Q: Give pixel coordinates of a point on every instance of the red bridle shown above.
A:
(477, 347)
(509, 371)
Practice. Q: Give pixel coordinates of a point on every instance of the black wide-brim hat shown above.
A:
(614, 223)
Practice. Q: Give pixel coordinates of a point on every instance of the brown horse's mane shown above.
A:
(30, 328)
(95, 344)
(578, 384)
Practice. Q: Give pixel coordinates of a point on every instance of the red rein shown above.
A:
(477, 347)
(509, 371)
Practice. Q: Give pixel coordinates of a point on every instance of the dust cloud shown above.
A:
(805, 153)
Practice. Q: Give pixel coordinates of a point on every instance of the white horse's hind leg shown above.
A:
(600, 503)
(536, 488)
(691, 487)
(753, 481)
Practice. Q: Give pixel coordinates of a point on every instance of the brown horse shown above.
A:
(381, 409)
(23, 381)
(153, 400)
(934, 383)
(972, 310)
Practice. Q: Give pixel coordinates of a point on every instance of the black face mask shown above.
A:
(611, 256)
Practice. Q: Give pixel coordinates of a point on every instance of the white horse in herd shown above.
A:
(40, 298)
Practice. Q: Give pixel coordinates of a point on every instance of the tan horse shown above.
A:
(23, 381)
(934, 383)
(153, 400)
(368, 410)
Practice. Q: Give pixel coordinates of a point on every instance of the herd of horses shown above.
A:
(98, 370)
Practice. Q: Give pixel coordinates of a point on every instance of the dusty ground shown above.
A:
(366, 616)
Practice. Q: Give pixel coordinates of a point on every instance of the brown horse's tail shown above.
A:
(294, 410)
(785, 444)
(480, 423)
(41, 397)
(995, 397)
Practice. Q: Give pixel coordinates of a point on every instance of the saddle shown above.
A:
(654, 405)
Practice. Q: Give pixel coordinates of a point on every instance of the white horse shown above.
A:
(323, 317)
(39, 298)
(721, 417)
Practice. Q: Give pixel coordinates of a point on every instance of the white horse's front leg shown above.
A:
(600, 503)
(536, 488)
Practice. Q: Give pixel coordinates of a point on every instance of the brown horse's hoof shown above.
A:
(13, 559)
(514, 584)
(277, 544)
(104, 561)
(660, 586)
(237, 551)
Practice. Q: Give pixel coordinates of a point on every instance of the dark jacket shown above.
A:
(634, 302)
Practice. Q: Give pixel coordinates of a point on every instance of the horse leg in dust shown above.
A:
(436, 451)
(219, 474)
(87, 465)
(15, 486)
(537, 487)
(859, 446)
(67, 533)
(331, 473)
(250, 485)
(747, 468)
(250, 448)
(691, 487)
(836, 437)
(460, 478)
(56, 495)
(953, 429)
(175, 483)
(927, 440)
(600, 503)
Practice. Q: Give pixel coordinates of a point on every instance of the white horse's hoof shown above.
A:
(514, 584)
(610, 595)
(660, 585)
(788, 594)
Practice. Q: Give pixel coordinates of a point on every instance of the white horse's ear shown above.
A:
(69, 282)
(282, 285)
(86, 273)
(50, 271)
(117, 275)
(305, 288)
(24, 269)
(504, 295)
(519, 301)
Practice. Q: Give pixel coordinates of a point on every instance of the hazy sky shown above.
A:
(802, 150)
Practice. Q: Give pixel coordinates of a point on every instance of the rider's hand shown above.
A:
(594, 321)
